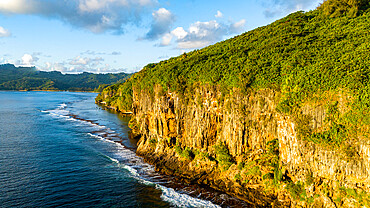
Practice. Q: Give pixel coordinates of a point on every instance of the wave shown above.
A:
(112, 159)
(169, 194)
(101, 138)
(62, 112)
(183, 200)
(127, 159)
(62, 106)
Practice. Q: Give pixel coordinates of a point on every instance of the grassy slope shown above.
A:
(305, 56)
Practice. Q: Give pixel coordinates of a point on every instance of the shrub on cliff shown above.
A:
(185, 153)
(223, 157)
(297, 190)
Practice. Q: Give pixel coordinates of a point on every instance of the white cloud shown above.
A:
(166, 39)
(95, 15)
(79, 61)
(162, 23)
(80, 64)
(77, 64)
(86, 62)
(54, 67)
(201, 34)
(179, 33)
(193, 44)
(282, 7)
(28, 59)
(94, 5)
(4, 32)
(115, 53)
(18, 6)
(219, 14)
(95, 53)
(238, 26)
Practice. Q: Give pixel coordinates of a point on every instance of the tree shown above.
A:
(349, 8)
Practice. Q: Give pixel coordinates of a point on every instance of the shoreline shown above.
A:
(160, 162)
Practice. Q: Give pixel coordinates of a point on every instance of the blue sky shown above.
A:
(103, 36)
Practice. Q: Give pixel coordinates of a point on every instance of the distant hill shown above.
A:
(29, 78)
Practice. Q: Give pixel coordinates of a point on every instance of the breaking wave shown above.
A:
(126, 159)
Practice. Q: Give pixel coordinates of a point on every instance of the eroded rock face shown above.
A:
(182, 135)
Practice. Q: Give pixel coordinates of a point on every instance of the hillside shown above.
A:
(282, 110)
(28, 78)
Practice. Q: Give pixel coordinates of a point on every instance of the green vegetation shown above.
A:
(153, 142)
(118, 96)
(309, 178)
(101, 87)
(223, 157)
(185, 153)
(203, 156)
(297, 191)
(266, 165)
(317, 59)
(362, 197)
(254, 171)
(306, 57)
(28, 78)
(349, 8)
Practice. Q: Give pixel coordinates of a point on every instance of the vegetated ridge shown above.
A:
(278, 116)
(29, 78)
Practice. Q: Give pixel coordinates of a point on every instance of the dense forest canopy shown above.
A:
(306, 57)
(29, 78)
(350, 8)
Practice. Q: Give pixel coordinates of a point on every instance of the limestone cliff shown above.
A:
(278, 116)
(240, 144)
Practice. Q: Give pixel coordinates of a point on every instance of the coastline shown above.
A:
(169, 163)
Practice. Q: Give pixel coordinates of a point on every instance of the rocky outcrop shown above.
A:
(180, 136)
(240, 144)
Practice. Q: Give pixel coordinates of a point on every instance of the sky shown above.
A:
(101, 36)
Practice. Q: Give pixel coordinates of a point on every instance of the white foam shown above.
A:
(104, 139)
(62, 113)
(63, 105)
(123, 154)
(114, 160)
(132, 170)
(95, 136)
(169, 194)
(183, 200)
(57, 115)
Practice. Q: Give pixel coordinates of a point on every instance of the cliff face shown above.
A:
(203, 137)
(240, 144)
(278, 116)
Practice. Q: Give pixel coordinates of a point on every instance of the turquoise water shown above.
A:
(58, 149)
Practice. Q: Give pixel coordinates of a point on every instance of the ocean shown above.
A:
(59, 149)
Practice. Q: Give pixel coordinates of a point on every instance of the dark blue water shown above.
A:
(58, 149)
